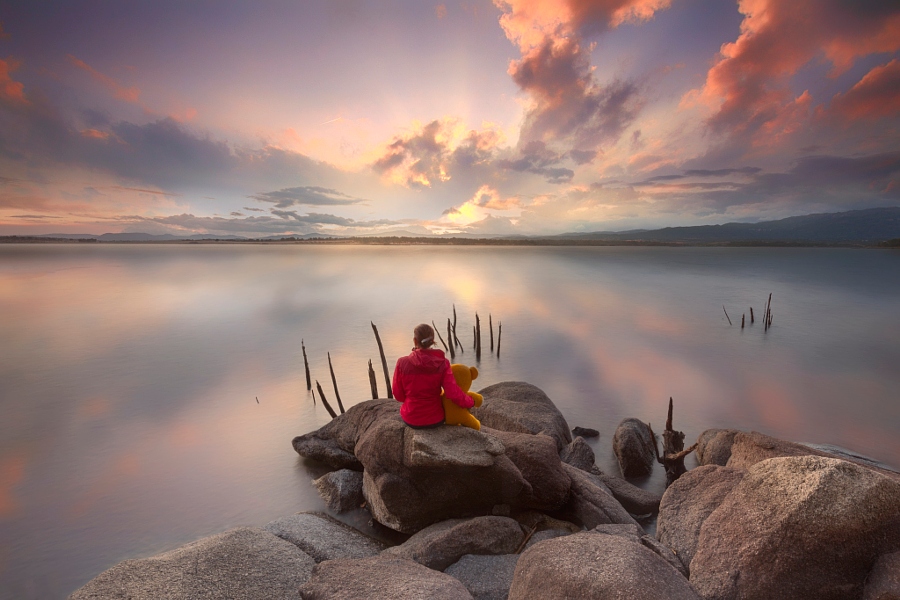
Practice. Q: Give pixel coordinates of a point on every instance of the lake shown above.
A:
(149, 393)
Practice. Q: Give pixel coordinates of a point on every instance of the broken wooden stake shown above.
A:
(325, 402)
(477, 337)
(752, 320)
(387, 378)
(433, 326)
(726, 314)
(306, 366)
(499, 333)
(334, 383)
(673, 453)
(491, 327)
(372, 383)
(743, 318)
(450, 337)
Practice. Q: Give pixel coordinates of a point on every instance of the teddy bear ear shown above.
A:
(474, 372)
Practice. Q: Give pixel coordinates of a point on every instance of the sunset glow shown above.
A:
(504, 117)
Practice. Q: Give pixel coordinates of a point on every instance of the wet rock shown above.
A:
(442, 544)
(520, 407)
(798, 527)
(323, 537)
(590, 505)
(635, 500)
(634, 448)
(578, 454)
(688, 502)
(585, 432)
(546, 534)
(714, 446)
(486, 577)
(241, 563)
(341, 490)
(595, 565)
(883, 582)
(381, 576)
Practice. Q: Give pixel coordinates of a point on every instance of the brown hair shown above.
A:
(424, 335)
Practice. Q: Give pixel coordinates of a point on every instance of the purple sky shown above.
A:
(514, 116)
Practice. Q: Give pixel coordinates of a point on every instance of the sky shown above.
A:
(351, 117)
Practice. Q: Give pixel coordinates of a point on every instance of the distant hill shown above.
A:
(868, 226)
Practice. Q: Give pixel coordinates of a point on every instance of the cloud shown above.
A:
(748, 85)
(306, 195)
(282, 223)
(536, 158)
(129, 94)
(11, 91)
(876, 95)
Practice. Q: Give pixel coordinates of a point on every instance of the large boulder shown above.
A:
(241, 563)
(341, 490)
(323, 537)
(688, 502)
(416, 477)
(334, 444)
(578, 454)
(883, 582)
(590, 504)
(635, 500)
(634, 448)
(442, 544)
(380, 576)
(714, 446)
(522, 408)
(486, 577)
(798, 527)
(596, 565)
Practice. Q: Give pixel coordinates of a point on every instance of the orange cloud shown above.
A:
(875, 95)
(12, 471)
(10, 90)
(130, 94)
(748, 86)
(440, 10)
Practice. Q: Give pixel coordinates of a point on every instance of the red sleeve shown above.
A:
(452, 389)
(397, 384)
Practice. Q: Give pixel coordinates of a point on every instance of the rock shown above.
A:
(578, 454)
(532, 519)
(241, 563)
(323, 537)
(449, 447)
(585, 432)
(486, 577)
(883, 582)
(714, 446)
(635, 500)
(635, 533)
(634, 448)
(536, 458)
(546, 534)
(380, 576)
(341, 490)
(442, 544)
(593, 565)
(522, 408)
(665, 553)
(590, 505)
(688, 502)
(798, 527)
(335, 442)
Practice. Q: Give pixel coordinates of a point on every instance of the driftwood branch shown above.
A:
(306, 366)
(450, 337)
(525, 541)
(334, 383)
(387, 378)
(726, 314)
(673, 453)
(372, 383)
(491, 327)
(325, 402)
(437, 331)
(477, 337)
(499, 334)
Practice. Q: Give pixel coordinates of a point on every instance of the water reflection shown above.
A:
(130, 373)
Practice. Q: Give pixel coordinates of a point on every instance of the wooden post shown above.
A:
(306, 366)
(726, 314)
(477, 337)
(325, 402)
(387, 378)
(474, 339)
(743, 318)
(334, 383)
(491, 327)
(372, 383)
(433, 326)
(313, 392)
(752, 320)
(455, 337)
(450, 337)
(499, 335)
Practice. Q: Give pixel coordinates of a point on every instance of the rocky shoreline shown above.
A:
(519, 510)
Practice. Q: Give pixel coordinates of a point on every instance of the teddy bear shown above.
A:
(455, 414)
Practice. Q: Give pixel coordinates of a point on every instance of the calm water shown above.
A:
(129, 374)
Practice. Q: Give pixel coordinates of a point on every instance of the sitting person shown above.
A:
(418, 379)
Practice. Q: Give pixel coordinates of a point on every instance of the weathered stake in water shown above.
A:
(334, 383)
(387, 378)
(325, 401)
(372, 383)
(306, 366)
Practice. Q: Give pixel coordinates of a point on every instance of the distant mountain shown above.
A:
(139, 237)
(868, 226)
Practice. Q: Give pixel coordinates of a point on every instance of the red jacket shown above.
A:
(418, 379)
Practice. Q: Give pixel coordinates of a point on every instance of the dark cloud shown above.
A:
(570, 108)
(422, 154)
(306, 195)
(325, 219)
(536, 158)
(251, 209)
(702, 173)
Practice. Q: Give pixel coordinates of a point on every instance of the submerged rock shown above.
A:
(578, 454)
(585, 432)
(634, 448)
(241, 563)
(635, 500)
(341, 490)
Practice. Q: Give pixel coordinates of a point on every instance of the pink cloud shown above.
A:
(876, 95)
(10, 90)
(129, 94)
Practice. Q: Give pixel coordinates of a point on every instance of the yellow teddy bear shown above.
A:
(454, 414)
